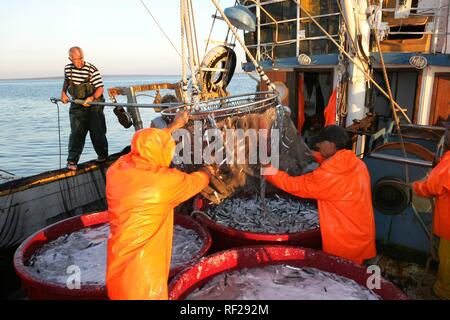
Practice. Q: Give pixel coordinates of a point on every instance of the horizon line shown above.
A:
(103, 76)
(106, 75)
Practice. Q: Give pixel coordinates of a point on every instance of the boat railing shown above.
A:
(227, 106)
(286, 35)
(426, 31)
(270, 44)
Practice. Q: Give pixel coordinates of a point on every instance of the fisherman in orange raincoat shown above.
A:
(438, 185)
(341, 185)
(142, 192)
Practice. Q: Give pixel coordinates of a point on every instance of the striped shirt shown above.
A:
(79, 76)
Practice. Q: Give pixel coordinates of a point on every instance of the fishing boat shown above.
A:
(381, 70)
(31, 203)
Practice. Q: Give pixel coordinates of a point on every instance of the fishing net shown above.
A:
(236, 120)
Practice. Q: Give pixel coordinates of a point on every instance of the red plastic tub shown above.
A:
(38, 288)
(259, 256)
(225, 237)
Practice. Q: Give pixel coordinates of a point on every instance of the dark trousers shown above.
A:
(83, 120)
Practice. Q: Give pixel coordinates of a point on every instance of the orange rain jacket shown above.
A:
(142, 192)
(341, 186)
(438, 185)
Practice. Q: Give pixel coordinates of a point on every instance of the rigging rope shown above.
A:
(59, 135)
(433, 246)
(194, 30)
(7, 172)
(159, 26)
(258, 68)
(350, 58)
(162, 30)
(192, 60)
(352, 43)
(183, 57)
(65, 203)
(210, 33)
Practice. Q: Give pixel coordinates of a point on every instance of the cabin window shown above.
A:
(404, 88)
(285, 44)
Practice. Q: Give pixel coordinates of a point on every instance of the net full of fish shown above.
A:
(283, 215)
(281, 282)
(232, 118)
(87, 249)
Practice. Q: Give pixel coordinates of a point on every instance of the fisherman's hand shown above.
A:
(86, 102)
(180, 120)
(209, 170)
(64, 98)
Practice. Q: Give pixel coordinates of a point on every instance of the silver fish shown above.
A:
(274, 215)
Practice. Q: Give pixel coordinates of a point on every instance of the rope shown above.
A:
(161, 29)
(159, 26)
(352, 44)
(258, 68)
(188, 28)
(192, 17)
(183, 58)
(64, 201)
(391, 100)
(252, 76)
(210, 33)
(7, 172)
(433, 246)
(343, 108)
(59, 135)
(188, 39)
(342, 76)
(350, 58)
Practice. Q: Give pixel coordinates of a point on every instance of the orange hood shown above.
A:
(344, 162)
(152, 146)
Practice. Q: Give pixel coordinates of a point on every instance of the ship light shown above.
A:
(241, 17)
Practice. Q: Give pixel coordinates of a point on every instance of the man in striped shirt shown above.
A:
(83, 81)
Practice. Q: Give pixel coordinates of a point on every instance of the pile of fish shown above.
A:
(281, 282)
(283, 215)
(87, 250)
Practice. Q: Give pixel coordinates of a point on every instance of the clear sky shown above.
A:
(118, 36)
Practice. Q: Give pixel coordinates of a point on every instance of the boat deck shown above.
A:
(415, 280)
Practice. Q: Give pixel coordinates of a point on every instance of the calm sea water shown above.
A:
(29, 141)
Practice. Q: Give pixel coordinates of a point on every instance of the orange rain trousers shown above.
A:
(142, 192)
(341, 186)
